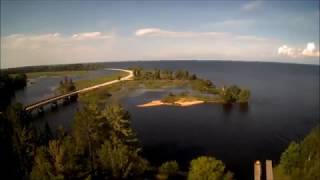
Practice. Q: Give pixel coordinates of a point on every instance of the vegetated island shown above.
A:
(203, 91)
(198, 90)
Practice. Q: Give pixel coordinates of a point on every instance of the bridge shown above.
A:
(53, 100)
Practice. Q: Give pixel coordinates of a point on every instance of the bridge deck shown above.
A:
(56, 98)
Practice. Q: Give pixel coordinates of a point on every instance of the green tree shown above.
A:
(157, 74)
(119, 120)
(20, 81)
(66, 86)
(8, 85)
(244, 96)
(42, 167)
(193, 77)
(301, 160)
(60, 160)
(119, 161)
(167, 74)
(90, 130)
(207, 168)
(90, 127)
(230, 94)
(137, 72)
(23, 138)
(168, 169)
(94, 126)
(290, 158)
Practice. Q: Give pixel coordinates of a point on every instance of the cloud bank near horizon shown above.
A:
(146, 44)
(309, 51)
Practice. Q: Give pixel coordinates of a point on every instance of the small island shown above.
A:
(200, 90)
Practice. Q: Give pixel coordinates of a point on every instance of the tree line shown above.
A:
(51, 68)
(8, 85)
(157, 74)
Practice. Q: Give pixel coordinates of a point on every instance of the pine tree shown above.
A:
(119, 120)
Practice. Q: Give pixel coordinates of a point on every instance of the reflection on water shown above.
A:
(244, 107)
(227, 108)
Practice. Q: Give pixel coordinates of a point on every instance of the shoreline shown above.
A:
(180, 102)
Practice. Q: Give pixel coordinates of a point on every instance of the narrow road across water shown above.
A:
(55, 98)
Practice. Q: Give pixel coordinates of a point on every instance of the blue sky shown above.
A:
(48, 32)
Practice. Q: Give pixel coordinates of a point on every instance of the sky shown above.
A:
(59, 32)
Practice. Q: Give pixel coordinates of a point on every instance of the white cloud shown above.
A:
(55, 48)
(155, 32)
(35, 49)
(91, 35)
(287, 51)
(252, 5)
(309, 51)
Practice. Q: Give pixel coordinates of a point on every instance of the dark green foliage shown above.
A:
(59, 160)
(119, 121)
(244, 96)
(52, 68)
(136, 71)
(168, 169)
(20, 81)
(158, 74)
(18, 140)
(90, 127)
(193, 77)
(289, 158)
(66, 86)
(182, 75)
(8, 85)
(120, 161)
(233, 94)
(203, 85)
(167, 74)
(302, 160)
(43, 168)
(102, 142)
(207, 168)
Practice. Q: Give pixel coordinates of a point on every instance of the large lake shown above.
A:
(284, 106)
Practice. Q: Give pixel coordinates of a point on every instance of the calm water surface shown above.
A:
(284, 106)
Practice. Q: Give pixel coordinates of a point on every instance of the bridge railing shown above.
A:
(58, 97)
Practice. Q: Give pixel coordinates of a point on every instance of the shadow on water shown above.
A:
(227, 108)
(244, 108)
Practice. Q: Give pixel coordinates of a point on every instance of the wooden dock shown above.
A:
(269, 171)
(258, 172)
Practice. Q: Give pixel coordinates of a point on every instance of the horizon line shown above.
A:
(167, 60)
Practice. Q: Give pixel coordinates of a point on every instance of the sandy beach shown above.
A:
(181, 102)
